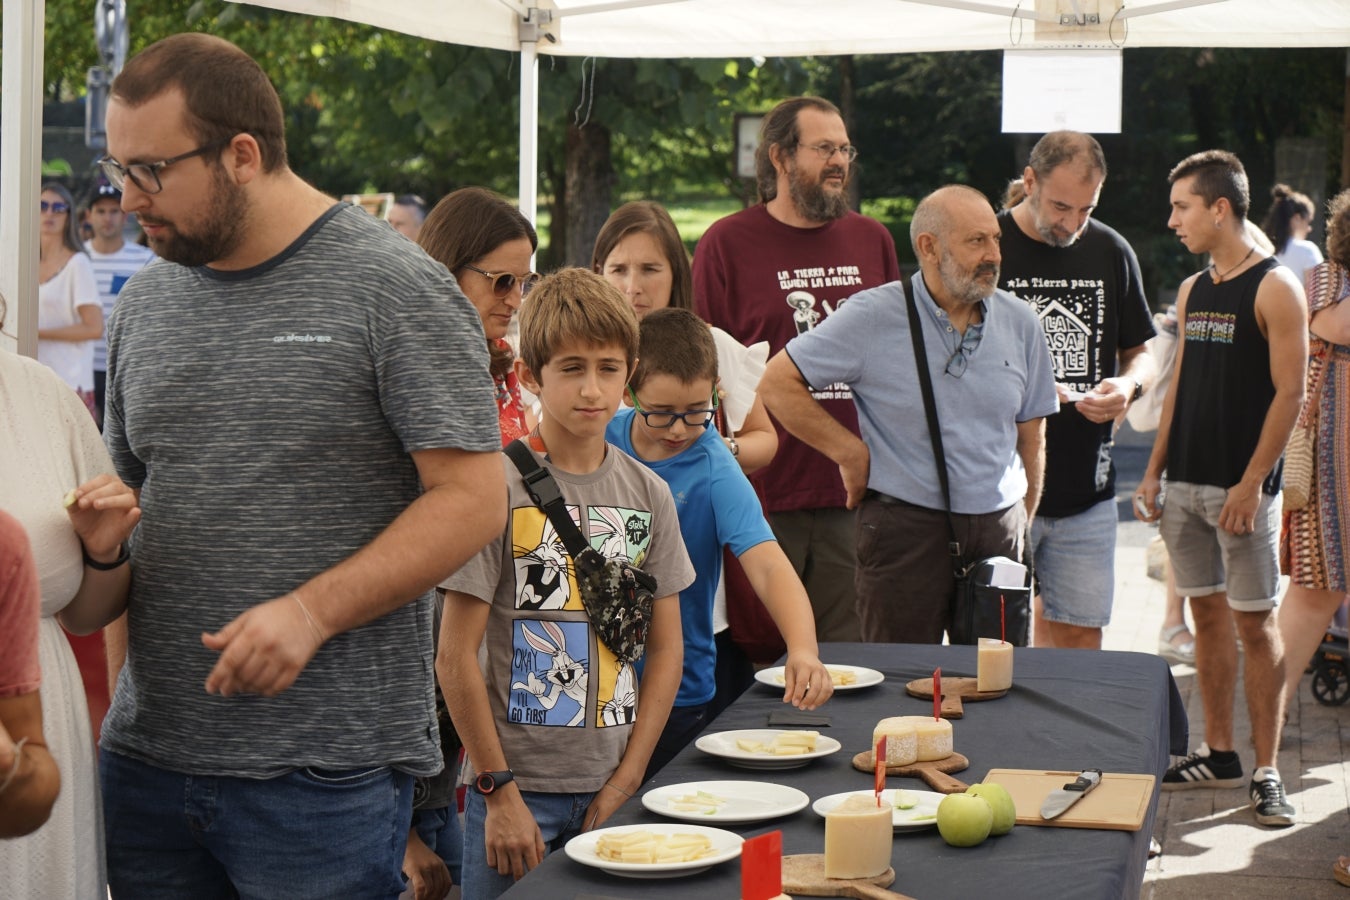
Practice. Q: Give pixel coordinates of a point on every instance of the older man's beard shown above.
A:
(964, 285)
(1047, 229)
(220, 233)
(811, 199)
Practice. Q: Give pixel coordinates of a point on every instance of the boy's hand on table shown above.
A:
(806, 681)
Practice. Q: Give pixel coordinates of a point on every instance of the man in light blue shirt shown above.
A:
(993, 385)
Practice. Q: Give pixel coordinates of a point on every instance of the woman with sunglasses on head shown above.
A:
(70, 317)
(487, 243)
(639, 251)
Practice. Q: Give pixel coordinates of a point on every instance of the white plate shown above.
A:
(725, 844)
(746, 801)
(900, 818)
(773, 677)
(723, 744)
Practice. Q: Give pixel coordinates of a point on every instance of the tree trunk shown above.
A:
(846, 109)
(590, 180)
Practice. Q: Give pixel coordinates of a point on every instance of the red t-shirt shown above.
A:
(20, 603)
(761, 280)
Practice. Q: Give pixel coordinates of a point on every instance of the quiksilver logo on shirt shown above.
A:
(302, 339)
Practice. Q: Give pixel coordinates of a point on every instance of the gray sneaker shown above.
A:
(1268, 799)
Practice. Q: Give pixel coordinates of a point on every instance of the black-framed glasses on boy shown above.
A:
(146, 175)
(694, 418)
(503, 282)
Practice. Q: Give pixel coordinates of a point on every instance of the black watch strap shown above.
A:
(123, 557)
(487, 782)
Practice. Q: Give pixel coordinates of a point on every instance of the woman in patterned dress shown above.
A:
(1315, 543)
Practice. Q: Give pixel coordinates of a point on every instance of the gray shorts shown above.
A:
(1206, 559)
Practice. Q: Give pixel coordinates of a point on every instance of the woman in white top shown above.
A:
(49, 445)
(70, 318)
(1287, 225)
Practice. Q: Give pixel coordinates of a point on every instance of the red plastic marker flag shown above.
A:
(762, 867)
(879, 759)
(937, 693)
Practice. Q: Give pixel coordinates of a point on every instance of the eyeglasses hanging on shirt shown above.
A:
(960, 358)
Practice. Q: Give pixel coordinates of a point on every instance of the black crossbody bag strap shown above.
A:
(545, 493)
(934, 429)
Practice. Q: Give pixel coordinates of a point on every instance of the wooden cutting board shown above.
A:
(933, 771)
(953, 690)
(1119, 803)
(804, 873)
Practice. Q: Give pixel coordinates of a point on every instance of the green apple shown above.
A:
(1000, 801)
(964, 820)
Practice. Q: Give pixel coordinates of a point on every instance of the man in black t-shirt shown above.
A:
(1082, 279)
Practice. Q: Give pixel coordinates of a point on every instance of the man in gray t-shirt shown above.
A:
(302, 399)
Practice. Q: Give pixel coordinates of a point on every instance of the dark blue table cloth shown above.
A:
(1067, 710)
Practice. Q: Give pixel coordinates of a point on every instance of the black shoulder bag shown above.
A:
(617, 595)
(979, 608)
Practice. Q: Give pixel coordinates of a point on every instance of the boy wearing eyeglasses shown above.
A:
(668, 429)
(558, 726)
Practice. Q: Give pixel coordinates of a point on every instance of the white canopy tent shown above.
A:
(675, 29)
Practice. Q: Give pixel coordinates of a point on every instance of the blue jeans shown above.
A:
(559, 816)
(440, 830)
(312, 833)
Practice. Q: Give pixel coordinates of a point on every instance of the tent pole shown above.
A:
(20, 160)
(529, 131)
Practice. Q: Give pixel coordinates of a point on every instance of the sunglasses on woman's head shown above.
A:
(503, 282)
(56, 207)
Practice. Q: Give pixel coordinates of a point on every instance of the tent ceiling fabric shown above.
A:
(737, 28)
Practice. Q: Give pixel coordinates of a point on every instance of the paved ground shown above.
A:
(1212, 846)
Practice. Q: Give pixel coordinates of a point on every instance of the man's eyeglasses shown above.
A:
(694, 418)
(960, 358)
(146, 175)
(503, 282)
(54, 206)
(826, 150)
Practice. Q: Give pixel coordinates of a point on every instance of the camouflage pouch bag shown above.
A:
(616, 594)
(618, 600)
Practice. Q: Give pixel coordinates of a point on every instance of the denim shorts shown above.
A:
(1206, 559)
(440, 830)
(312, 834)
(1075, 561)
(559, 816)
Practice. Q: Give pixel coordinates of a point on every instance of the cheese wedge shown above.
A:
(934, 737)
(902, 740)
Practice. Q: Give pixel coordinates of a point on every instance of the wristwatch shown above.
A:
(487, 782)
(1138, 390)
(734, 447)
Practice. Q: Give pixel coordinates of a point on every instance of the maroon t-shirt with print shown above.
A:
(761, 280)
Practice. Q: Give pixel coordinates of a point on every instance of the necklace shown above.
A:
(1218, 278)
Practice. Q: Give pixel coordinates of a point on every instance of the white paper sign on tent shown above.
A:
(1047, 90)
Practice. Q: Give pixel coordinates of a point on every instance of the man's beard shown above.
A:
(219, 235)
(963, 285)
(811, 199)
(1047, 229)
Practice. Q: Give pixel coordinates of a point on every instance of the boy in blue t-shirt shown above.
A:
(673, 390)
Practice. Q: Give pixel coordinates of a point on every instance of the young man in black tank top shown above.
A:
(1238, 388)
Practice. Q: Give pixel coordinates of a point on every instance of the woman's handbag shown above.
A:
(981, 605)
(1300, 453)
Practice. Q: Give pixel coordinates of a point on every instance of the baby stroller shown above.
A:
(1331, 667)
